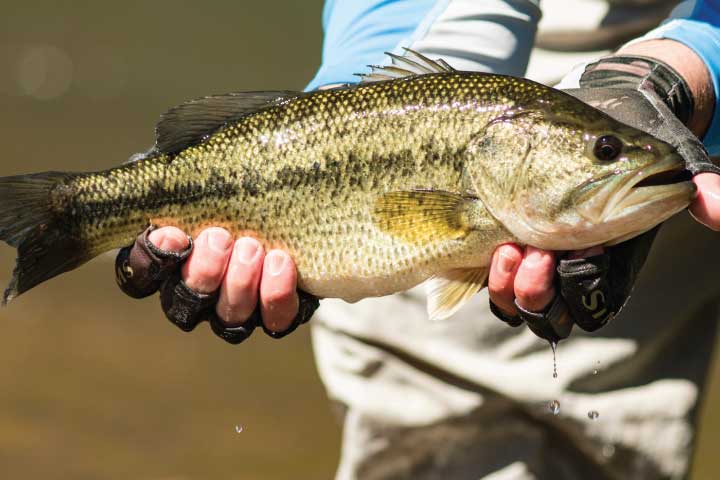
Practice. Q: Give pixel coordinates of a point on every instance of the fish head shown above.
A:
(569, 180)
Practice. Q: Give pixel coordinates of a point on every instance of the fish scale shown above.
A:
(343, 162)
(372, 188)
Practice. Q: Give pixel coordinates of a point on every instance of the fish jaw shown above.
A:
(647, 197)
(617, 207)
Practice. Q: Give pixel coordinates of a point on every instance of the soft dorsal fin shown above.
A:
(412, 63)
(189, 123)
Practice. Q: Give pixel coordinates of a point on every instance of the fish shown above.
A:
(416, 174)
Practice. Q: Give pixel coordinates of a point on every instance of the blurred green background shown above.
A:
(93, 384)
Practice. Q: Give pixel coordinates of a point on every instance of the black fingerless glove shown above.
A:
(142, 269)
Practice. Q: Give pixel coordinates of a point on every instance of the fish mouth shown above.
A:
(645, 197)
(664, 181)
(641, 198)
(675, 173)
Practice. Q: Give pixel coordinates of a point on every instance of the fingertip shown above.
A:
(239, 290)
(503, 268)
(509, 257)
(279, 274)
(170, 239)
(534, 280)
(247, 251)
(278, 296)
(706, 206)
(219, 240)
(278, 264)
(205, 269)
(538, 257)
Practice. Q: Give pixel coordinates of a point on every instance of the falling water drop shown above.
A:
(238, 428)
(593, 414)
(554, 407)
(553, 345)
(608, 450)
(594, 372)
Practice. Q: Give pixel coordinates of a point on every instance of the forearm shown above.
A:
(691, 68)
(696, 25)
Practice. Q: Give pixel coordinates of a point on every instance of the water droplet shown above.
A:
(608, 450)
(554, 407)
(238, 428)
(594, 372)
(553, 345)
(593, 414)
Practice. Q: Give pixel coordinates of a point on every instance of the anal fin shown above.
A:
(450, 290)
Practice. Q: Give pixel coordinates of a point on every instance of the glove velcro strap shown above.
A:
(141, 268)
(584, 284)
(183, 306)
(637, 72)
(552, 324)
(514, 321)
(237, 333)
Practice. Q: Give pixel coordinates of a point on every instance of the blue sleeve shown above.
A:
(697, 25)
(357, 32)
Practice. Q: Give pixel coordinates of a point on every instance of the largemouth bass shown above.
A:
(371, 188)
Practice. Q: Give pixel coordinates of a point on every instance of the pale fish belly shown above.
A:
(386, 265)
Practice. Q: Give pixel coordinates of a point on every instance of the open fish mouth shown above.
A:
(647, 192)
(674, 174)
(642, 198)
(666, 183)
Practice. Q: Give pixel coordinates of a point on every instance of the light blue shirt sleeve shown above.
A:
(697, 25)
(357, 32)
(488, 35)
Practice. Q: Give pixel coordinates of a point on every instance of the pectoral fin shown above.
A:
(449, 291)
(423, 216)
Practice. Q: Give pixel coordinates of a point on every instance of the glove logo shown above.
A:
(123, 273)
(596, 301)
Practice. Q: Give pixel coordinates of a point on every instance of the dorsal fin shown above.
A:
(136, 157)
(191, 122)
(412, 63)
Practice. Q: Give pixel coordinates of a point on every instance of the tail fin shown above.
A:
(33, 221)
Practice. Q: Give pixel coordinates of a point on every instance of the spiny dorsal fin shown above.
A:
(450, 290)
(189, 123)
(136, 157)
(422, 216)
(412, 63)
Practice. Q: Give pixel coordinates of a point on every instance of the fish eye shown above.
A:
(607, 148)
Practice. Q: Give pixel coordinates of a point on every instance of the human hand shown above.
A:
(234, 285)
(590, 292)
